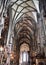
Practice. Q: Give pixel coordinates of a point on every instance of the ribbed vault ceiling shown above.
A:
(25, 29)
(23, 18)
(21, 7)
(25, 23)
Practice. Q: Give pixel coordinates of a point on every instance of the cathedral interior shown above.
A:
(22, 32)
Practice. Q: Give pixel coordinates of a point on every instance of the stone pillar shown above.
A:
(40, 27)
(9, 34)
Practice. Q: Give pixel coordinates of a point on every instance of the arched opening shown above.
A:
(24, 54)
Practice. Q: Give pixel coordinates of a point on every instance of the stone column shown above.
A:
(40, 27)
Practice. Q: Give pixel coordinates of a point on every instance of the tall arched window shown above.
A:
(24, 55)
